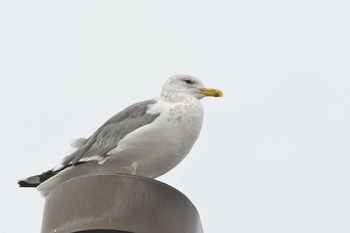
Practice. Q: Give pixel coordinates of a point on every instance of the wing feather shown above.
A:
(110, 133)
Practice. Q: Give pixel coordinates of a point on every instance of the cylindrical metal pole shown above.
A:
(118, 203)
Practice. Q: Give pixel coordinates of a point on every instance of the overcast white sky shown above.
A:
(273, 154)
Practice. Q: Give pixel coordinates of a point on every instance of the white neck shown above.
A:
(175, 97)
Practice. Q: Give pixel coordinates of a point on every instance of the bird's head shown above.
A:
(188, 85)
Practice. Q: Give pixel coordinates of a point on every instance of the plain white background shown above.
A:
(273, 154)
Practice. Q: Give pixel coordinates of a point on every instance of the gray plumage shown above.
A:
(100, 143)
(110, 133)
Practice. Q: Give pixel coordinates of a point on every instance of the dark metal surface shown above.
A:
(102, 231)
(121, 203)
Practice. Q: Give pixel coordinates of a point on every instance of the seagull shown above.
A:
(147, 139)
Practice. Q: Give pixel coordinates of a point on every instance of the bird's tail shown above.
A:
(36, 180)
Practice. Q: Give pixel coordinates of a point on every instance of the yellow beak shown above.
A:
(211, 92)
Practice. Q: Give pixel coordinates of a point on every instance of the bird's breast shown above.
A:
(161, 145)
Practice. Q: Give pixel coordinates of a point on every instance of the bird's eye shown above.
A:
(188, 81)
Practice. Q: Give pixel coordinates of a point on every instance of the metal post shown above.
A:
(118, 203)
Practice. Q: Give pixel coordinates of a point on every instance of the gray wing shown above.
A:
(110, 133)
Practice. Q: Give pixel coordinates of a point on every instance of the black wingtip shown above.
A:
(25, 184)
(36, 180)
